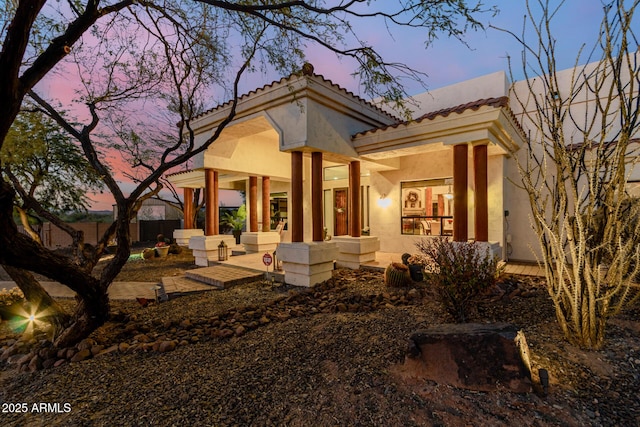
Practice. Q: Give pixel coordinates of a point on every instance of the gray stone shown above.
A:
(483, 357)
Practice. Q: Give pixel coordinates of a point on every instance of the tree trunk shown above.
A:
(90, 314)
(34, 292)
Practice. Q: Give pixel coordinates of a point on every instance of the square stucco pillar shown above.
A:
(307, 263)
(205, 248)
(259, 241)
(355, 251)
(182, 236)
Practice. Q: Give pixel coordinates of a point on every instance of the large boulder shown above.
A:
(484, 357)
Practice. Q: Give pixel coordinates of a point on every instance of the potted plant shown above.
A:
(415, 264)
(162, 246)
(236, 221)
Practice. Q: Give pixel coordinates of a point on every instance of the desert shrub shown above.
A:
(11, 296)
(9, 299)
(396, 275)
(459, 272)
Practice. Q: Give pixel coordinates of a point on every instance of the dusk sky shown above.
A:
(447, 61)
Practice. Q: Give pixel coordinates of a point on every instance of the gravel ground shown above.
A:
(256, 355)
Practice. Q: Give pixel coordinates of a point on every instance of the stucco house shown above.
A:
(331, 177)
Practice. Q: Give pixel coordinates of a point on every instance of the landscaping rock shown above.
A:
(81, 355)
(35, 364)
(167, 346)
(483, 357)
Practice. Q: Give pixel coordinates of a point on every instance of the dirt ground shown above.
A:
(261, 355)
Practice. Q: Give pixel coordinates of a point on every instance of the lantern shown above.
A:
(222, 251)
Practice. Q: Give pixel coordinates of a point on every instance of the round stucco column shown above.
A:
(211, 202)
(253, 204)
(355, 227)
(266, 206)
(296, 225)
(481, 211)
(188, 208)
(460, 189)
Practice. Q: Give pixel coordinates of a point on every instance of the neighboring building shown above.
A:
(331, 163)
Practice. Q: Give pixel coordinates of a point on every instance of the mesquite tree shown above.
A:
(172, 56)
(581, 150)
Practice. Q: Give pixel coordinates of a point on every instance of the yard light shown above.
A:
(544, 380)
(222, 251)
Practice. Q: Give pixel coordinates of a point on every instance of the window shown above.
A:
(427, 207)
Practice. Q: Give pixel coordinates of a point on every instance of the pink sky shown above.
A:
(446, 61)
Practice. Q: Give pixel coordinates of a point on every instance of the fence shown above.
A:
(149, 230)
(53, 237)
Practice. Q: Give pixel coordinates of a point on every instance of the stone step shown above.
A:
(222, 276)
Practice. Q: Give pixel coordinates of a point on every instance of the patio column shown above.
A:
(297, 226)
(316, 197)
(354, 199)
(253, 204)
(481, 213)
(188, 208)
(460, 172)
(266, 205)
(211, 202)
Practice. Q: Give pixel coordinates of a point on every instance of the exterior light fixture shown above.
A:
(223, 253)
(383, 201)
(544, 380)
(448, 194)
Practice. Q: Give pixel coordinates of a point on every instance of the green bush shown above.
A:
(459, 272)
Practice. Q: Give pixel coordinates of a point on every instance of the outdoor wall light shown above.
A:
(383, 201)
(449, 194)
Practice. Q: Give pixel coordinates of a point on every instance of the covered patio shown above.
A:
(331, 178)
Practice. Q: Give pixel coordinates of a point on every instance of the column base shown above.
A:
(259, 241)
(205, 248)
(182, 236)
(355, 251)
(307, 263)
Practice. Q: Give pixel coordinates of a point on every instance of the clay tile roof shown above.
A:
(306, 72)
(500, 102)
